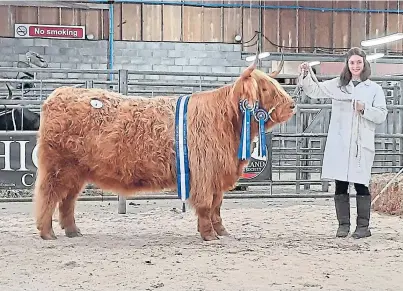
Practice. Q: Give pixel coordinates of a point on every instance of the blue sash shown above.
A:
(181, 148)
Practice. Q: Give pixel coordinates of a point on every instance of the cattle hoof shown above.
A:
(220, 229)
(223, 232)
(75, 233)
(48, 236)
(210, 237)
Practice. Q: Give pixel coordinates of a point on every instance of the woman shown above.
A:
(358, 105)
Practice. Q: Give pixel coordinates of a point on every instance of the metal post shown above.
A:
(400, 127)
(269, 143)
(111, 39)
(304, 143)
(298, 128)
(123, 89)
(395, 128)
(325, 128)
(89, 84)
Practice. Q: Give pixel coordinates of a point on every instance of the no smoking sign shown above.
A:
(21, 30)
(49, 31)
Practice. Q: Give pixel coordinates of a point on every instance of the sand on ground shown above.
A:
(275, 244)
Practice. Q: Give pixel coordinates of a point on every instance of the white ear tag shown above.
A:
(96, 103)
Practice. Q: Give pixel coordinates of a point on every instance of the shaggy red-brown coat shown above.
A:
(128, 146)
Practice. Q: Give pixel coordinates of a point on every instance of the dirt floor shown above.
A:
(275, 244)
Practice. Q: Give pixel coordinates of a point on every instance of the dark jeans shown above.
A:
(342, 187)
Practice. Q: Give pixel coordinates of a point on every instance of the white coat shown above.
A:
(350, 144)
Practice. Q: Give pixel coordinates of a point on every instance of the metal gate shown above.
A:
(295, 148)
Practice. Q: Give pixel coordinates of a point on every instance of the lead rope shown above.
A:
(358, 139)
(358, 143)
(358, 117)
(386, 186)
(298, 89)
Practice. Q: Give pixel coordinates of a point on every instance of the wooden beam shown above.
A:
(55, 4)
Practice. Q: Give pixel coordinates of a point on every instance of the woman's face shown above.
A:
(356, 65)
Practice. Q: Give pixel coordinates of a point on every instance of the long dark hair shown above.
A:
(345, 75)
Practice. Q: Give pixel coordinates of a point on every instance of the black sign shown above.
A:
(259, 169)
(18, 161)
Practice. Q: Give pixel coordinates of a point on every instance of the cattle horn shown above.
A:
(256, 58)
(280, 67)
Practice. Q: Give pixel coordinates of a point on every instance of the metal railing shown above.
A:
(297, 146)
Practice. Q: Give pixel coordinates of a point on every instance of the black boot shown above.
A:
(363, 215)
(342, 204)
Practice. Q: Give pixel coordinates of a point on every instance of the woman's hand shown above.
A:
(359, 106)
(303, 68)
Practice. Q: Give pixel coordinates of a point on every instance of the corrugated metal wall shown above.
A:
(334, 26)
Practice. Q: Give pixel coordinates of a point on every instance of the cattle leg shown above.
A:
(66, 214)
(216, 215)
(45, 204)
(52, 187)
(204, 224)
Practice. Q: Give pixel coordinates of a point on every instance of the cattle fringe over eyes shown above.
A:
(127, 145)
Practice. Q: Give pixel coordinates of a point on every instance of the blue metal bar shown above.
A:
(111, 37)
(238, 5)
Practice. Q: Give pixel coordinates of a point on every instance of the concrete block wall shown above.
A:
(64, 54)
(141, 56)
(178, 57)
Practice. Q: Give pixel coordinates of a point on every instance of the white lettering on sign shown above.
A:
(22, 145)
(6, 156)
(18, 162)
(49, 31)
(39, 31)
(62, 32)
(34, 156)
(24, 179)
(22, 154)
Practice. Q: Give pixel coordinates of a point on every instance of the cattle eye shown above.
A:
(264, 89)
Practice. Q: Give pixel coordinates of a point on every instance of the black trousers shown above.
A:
(342, 187)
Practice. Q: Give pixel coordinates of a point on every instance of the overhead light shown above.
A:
(261, 56)
(375, 56)
(382, 40)
(264, 55)
(314, 63)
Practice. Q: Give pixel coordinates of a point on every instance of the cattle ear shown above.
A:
(246, 87)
